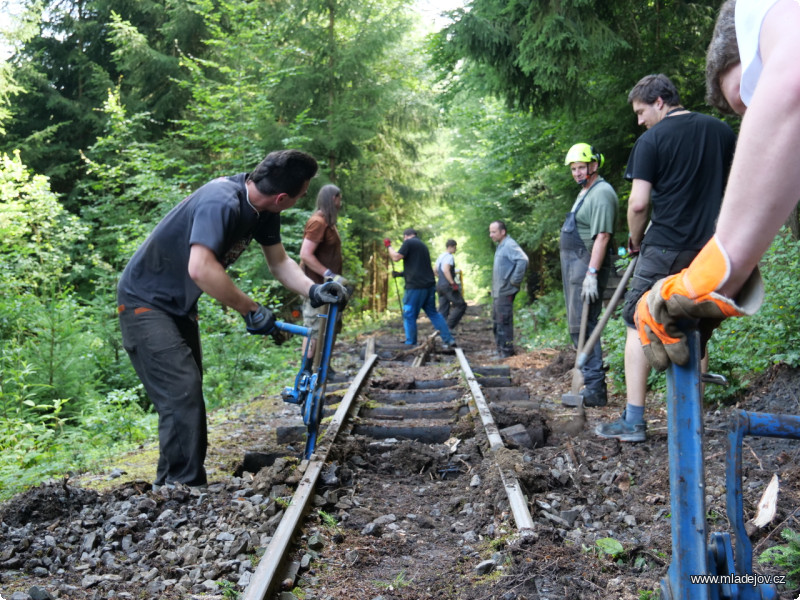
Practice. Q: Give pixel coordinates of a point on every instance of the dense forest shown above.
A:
(111, 111)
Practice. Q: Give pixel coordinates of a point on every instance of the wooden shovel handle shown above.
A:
(582, 335)
(612, 304)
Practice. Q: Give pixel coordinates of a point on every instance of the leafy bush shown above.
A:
(739, 349)
(543, 324)
(116, 420)
(746, 346)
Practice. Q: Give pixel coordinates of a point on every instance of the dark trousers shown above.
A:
(448, 297)
(654, 263)
(165, 352)
(503, 323)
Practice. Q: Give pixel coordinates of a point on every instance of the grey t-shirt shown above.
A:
(445, 261)
(217, 216)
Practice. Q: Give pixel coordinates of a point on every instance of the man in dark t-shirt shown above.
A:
(679, 167)
(185, 255)
(420, 291)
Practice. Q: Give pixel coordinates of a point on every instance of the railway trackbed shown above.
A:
(402, 442)
(408, 500)
(410, 496)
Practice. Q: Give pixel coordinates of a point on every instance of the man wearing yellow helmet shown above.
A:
(679, 166)
(585, 244)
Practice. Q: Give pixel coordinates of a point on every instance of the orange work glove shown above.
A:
(691, 294)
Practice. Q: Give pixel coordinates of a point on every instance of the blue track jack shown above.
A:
(693, 553)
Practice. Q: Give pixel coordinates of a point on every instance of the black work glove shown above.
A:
(330, 292)
(279, 336)
(260, 321)
(398, 273)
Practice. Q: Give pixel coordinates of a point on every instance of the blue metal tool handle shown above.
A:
(691, 554)
(316, 400)
(686, 478)
(293, 329)
(309, 384)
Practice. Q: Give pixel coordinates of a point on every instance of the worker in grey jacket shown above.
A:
(510, 264)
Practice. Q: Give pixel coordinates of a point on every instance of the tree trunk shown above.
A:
(793, 223)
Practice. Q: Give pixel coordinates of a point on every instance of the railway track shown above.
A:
(412, 493)
(407, 501)
(412, 440)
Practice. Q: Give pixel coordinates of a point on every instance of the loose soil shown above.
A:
(582, 490)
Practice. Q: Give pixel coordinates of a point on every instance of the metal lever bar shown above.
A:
(744, 423)
(309, 385)
(692, 555)
(686, 478)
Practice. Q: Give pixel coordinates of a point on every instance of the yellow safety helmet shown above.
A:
(583, 152)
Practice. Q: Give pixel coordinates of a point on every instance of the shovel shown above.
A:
(612, 304)
(574, 398)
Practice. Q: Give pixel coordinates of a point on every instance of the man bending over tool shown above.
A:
(679, 166)
(723, 281)
(185, 255)
(585, 245)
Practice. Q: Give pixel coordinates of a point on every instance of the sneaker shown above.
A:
(622, 430)
(449, 345)
(594, 398)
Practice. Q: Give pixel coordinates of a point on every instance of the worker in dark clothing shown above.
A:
(679, 167)
(187, 254)
(448, 288)
(585, 244)
(420, 291)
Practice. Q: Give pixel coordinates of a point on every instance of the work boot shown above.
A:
(622, 430)
(594, 398)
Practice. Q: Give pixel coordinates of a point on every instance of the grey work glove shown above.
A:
(260, 321)
(589, 290)
(330, 292)
(331, 276)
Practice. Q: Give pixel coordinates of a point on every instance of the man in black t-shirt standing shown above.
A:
(679, 166)
(185, 255)
(420, 291)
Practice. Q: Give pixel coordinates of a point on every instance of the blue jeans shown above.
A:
(424, 299)
(165, 351)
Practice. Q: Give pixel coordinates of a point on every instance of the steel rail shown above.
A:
(519, 505)
(263, 582)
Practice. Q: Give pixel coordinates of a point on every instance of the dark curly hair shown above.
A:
(283, 172)
(722, 54)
